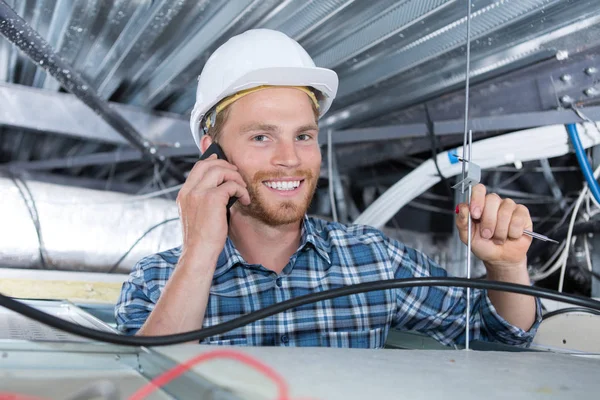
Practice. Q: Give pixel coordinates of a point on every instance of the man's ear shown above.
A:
(205, 141)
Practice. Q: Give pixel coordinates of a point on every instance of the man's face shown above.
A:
(271, 136)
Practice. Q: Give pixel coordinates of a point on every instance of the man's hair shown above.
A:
(215, 131)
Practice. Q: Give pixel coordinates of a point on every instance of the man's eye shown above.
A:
(304, 137)
(259, 138)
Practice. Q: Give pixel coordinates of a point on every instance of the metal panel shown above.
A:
(340, 374)
(14, 326)
(187, 386)
(569, 332)
(34, 370)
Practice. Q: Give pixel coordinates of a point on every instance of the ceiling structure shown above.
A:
(401, 66)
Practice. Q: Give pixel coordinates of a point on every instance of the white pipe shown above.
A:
(526, 145)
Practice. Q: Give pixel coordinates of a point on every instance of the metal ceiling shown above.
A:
(390, 55)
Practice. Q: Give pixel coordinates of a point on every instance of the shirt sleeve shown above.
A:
(140, 293)
(440, 312)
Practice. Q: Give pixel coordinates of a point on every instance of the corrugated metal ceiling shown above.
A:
(149, 53)
(389, 54)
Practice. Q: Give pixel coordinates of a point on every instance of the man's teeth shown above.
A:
(287, 185)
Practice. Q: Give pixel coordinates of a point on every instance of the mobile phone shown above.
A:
(214, 148)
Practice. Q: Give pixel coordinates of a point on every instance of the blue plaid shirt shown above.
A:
(330, 255)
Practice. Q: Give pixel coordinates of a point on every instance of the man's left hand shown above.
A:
(497, 230)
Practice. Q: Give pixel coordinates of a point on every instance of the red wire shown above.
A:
(17, 396)
(166, 377)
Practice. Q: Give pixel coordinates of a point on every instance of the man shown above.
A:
(259, 97)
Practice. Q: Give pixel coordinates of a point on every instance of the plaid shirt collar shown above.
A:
(230, 256)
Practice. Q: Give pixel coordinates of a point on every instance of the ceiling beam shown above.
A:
(347, 136)
(63, 114)
(518, 121)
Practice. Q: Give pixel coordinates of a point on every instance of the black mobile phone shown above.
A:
(214, 148)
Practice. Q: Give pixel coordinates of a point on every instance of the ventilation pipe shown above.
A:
(81, 229)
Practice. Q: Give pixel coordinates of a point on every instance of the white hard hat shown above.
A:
(258, 57)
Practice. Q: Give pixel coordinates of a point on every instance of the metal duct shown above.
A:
(82, 229)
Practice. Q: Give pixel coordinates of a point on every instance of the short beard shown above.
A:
(285, 212)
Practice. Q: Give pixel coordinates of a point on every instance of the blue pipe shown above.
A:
(584, 164)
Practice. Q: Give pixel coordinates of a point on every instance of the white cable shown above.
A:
(593, 199)
(588, 259)
(554, 265)
(526, 145)
(587, 217)
(570, 231)
(545, 272)
(551, 261)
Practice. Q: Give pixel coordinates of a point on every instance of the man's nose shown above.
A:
(286, 154)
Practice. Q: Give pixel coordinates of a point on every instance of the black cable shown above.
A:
(560, 223)
(580, 228)
(116, 265)
(434, 150)
(588, 272)
(568, 310)
(200, 334)
(33, 213)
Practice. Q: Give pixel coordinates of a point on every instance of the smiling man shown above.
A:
(260, 97)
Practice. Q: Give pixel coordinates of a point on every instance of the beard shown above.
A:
(277, 212)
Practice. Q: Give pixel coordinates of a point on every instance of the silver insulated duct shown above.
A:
(81, 229)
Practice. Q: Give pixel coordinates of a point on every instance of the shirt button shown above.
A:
(284, 339)
(278, 282)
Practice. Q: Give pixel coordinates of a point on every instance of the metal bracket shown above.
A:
(472, 174)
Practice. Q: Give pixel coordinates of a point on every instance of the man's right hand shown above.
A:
(202, 205)
(202, 202)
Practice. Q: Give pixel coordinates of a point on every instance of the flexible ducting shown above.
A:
(82, 229)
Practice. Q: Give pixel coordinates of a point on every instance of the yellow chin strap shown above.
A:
(233, 98)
